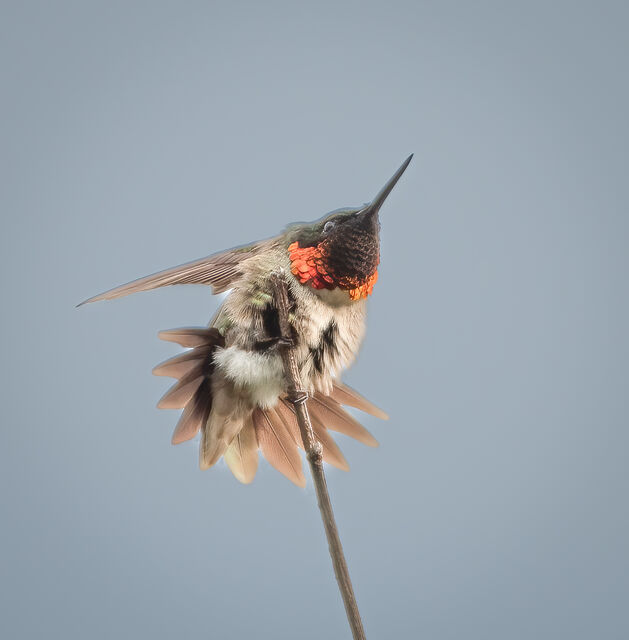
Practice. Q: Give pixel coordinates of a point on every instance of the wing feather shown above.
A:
(219, 270)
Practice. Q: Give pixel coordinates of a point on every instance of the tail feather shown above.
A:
(216, 435)
(180, 394)
(193, 391)
(229, 430)
(278, 445)
(183, 364)
(331, 452)
(191, 336)
(287, 415)
(242, 454)
(330, 413)
(348, 396)
(195, 415)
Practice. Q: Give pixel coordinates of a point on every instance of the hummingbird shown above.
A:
(230, 381)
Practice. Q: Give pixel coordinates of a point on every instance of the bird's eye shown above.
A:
(328, 226)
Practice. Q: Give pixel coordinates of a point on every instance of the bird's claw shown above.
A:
(273, 344)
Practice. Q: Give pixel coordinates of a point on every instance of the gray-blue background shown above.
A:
(138, 135)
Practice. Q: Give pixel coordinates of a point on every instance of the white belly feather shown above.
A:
(259, 374)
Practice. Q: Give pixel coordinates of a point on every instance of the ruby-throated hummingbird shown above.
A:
(231, 384)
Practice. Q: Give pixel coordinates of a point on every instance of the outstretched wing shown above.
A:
(219, 270)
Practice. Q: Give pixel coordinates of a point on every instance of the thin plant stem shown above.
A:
(314, 454)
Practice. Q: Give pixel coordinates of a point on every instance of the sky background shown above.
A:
(139, 135)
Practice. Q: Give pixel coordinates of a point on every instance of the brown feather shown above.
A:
(331, 453)
(242, 454)
(287, 415)
(348, 396)
(195, 415)
(178, 396)
(330, 413)
(278, 446)
(219, 270)
(191, 336)
(217, 434)
(181, 365)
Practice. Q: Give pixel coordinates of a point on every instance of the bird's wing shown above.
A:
(219, 270)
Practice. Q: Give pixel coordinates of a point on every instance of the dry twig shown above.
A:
(314, 453)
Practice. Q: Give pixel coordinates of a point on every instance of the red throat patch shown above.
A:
(308, 265)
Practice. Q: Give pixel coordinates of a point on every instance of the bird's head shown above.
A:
(342, 249)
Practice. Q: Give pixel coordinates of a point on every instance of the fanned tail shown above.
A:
(237, 435)
(278, 446)
(328, 411)
(331, 453)
(242, 454)
(217, 435)
(193, 369)
(348, 396)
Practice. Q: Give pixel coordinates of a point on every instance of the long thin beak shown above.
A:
(374, 206)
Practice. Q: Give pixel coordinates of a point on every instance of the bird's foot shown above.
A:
(274, 344)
